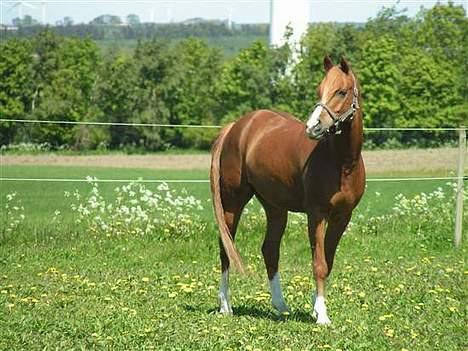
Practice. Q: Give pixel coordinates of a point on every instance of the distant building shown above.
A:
(284, 13)
(8, 27)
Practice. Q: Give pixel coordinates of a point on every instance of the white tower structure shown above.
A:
(284, 13)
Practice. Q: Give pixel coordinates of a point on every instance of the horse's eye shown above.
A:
(341, 93)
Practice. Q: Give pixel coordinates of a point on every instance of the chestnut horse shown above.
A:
(314, 168)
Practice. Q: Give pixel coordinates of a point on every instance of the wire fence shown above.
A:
(162, 125)
(460, 178)
(188, 181)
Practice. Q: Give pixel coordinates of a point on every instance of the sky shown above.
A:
(240, 11)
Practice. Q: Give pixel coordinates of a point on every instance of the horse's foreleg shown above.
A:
(276, 224)
(335, 230)
(320, 268)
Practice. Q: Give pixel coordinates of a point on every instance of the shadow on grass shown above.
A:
(258, 313)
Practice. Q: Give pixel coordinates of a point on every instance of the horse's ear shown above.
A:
(344, 65)
(327, 63)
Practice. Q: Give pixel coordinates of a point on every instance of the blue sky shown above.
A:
(242, 11)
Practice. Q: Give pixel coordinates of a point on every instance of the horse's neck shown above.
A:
(348, 145)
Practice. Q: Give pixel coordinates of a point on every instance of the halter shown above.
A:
(348, 114)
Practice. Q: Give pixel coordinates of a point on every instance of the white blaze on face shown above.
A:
(314, 118)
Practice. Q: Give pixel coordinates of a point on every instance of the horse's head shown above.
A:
(338, 94)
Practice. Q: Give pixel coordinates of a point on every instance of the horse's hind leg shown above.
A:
(233, 204)
(276, 223)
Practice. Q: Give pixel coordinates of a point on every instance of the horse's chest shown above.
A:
(328, 189)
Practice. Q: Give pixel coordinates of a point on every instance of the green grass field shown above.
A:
(397, 283)
(228, 45)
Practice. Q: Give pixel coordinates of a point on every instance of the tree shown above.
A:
(198, 68)
(443, 33)
(244, 84)
(119, 99)
(427, 88)
(379, 77)
(67, 21)
(26, 21)
(65, 75)
(155, 62)
(15, 85)
(133, 20)
(106, 20)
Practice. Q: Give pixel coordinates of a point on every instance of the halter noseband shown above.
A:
(348, 114)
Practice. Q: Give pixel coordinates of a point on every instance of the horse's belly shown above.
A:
(279, 195)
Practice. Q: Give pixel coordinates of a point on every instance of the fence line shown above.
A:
(162, 125)
(188, 181)
(109, 123)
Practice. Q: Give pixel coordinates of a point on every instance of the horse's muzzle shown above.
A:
(316, 132)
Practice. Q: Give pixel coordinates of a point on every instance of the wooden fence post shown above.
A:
(460, 180)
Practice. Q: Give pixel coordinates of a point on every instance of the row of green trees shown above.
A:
(412, 72)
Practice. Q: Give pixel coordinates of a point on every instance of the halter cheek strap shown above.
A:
(348, 114)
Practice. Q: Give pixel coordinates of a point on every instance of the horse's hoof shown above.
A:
(323, 320)
(227, 311)
(282, 309)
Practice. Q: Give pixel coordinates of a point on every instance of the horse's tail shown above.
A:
(215, 179)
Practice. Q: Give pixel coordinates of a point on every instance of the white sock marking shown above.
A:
(223, 295)
(277, 298)
(320, 310)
